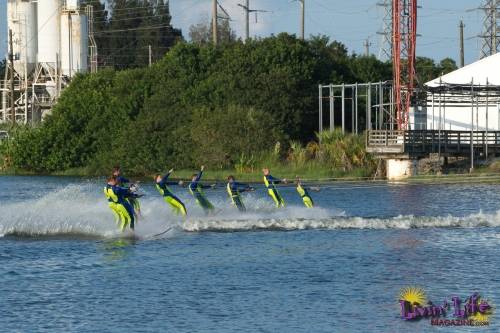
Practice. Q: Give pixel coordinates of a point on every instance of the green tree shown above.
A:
(201, 104)
(134, 25)
(447, 65)
(201, 32)
(370, 69)
(427, 69)
(223, 135)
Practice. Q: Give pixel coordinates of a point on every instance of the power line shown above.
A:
(133, 29)
(247, 10)
(110, 20)
(111, 11)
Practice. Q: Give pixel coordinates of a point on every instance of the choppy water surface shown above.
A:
(337, 268)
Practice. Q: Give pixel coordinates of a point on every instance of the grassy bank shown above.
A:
(287, 172)
(333, 155)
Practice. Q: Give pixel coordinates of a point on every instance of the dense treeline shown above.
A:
(225, 107)
(124, 33)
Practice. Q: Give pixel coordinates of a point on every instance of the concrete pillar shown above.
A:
(398, 169)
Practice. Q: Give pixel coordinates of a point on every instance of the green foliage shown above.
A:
(238, 105)
(336, 150)
(428, 70)
(124, 33)
(201, 33)
(369, 69)
(221, 136)
(345, 151)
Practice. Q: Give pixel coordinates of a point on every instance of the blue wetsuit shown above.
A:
(234, 189)
(123, 194)
(122, 180)
(270, 183)
(176, 204)
(196, 190)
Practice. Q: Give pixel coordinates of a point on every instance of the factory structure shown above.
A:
(49, 42)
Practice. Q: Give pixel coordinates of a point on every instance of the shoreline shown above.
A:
(480, 176)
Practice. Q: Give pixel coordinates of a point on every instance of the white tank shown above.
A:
(48, 31)
(21, 19)
(74, 43)
(72, 4)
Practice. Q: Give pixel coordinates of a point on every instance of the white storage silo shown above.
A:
(48, 31)
(74, 43)
(22, 20)
(72, 4)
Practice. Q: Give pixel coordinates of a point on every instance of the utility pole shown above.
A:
(247, 20)
(246, 8)
(462, 60)
(11, 59)
(367, 45)
(214, 22)
(70, 43)
(150, 55)
(302, 20)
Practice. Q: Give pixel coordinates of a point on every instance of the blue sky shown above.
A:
(350, 22)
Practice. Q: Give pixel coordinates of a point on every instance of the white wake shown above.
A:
(81, 211)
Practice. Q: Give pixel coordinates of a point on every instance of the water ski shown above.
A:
(161, 233)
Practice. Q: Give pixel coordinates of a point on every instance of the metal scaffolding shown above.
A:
(356, 107)
(464, 96)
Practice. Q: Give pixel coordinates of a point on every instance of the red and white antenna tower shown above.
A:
(404, 41)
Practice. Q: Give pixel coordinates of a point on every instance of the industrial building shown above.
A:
(49, 42)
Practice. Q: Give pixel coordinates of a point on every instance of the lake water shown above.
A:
(337, 268)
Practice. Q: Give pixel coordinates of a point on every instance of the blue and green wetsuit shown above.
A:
(122, 209)
(178, 207)
(122, 181)
(270, 183)
(196, 189)
(306, 198)
(234, 190)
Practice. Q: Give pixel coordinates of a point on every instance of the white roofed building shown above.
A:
(463, 100)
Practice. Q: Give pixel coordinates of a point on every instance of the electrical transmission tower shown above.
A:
(385, 50)
(491, 28)
(404, 27)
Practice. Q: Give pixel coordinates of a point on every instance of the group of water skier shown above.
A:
(122, 195)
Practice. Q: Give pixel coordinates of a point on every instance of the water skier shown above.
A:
(162, 186)
(306, 198)
(124, 182)
(196, 189)
(116, 195)
(270, 183)
(234, 189)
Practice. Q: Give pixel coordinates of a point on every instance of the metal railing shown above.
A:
(432, 141)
